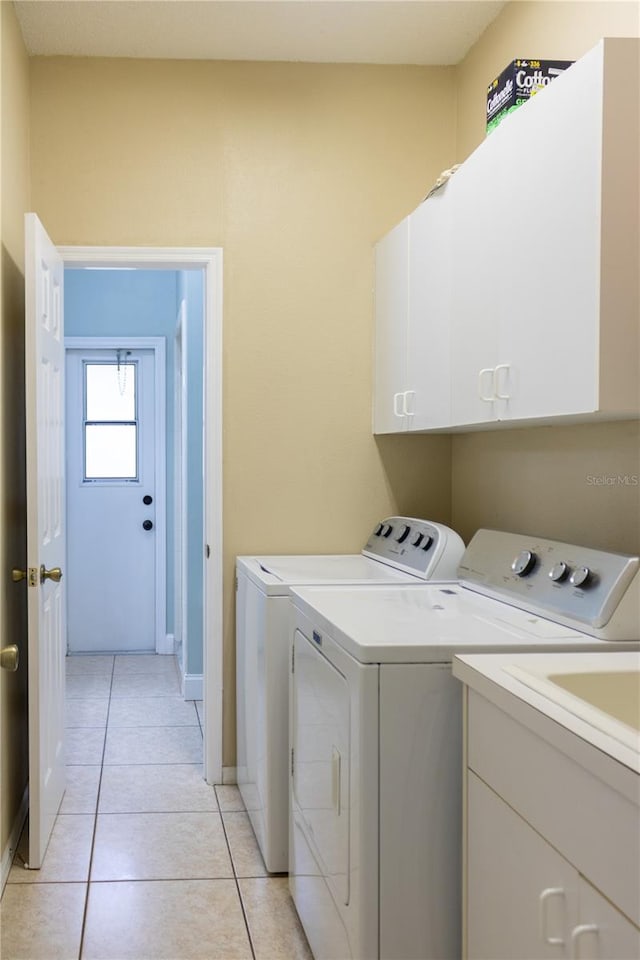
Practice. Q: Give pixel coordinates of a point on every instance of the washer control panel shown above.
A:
(547, 576)
(420, 547)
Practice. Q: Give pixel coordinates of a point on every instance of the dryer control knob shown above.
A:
(524, 563)
(387, 532)
(427, 542)
(580, 577)
(418, 540)
(378, 530)
(405, 533)
(559, 572)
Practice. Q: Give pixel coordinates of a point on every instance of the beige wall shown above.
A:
(14, 190)
(295, 170)
(541, 480)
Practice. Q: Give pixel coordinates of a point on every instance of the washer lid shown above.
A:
(274, 574)
(429, 623)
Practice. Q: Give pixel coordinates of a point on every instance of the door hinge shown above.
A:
(292, 762)
(207, 550)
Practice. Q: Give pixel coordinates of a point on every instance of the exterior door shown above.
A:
(44, 393)
(111, 500)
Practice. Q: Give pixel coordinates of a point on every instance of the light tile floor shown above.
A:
(145, 859)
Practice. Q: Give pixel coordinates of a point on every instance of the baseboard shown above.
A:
(229, 774)
(14, 838)
(166, 645)
(178, 650)
(192, 686)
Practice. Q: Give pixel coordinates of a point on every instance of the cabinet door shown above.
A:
(548, 248)
(428, 397)
(603, 932)
(521, 894)
(392, 312)
(477, 197)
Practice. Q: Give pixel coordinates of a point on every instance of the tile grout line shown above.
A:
(200, 725)
(95, 822)
(235, 877)
(91, 882)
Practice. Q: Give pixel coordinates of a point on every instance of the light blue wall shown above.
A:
(145, 303)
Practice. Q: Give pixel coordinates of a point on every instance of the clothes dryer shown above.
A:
(376, 730)
(400, 550)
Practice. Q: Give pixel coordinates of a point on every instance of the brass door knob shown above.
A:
(18, 575)
(9, 658)
(54, 574)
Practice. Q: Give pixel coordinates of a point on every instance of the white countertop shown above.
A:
(522, 678)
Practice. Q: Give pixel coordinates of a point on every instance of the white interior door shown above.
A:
(112, 501)
(44, 389)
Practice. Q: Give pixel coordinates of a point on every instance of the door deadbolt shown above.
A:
(30, 574)
(10, 658)
(147, 524)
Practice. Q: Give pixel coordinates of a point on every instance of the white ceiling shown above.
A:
(319, 31)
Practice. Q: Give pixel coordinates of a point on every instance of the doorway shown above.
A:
(208, 264)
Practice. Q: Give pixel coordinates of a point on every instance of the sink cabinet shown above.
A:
(527, 901)
(551, 842)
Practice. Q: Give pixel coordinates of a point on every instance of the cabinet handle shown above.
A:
(496, 381)
(405, 406)
(578, 932)
(543, 899)
(396, 398)
(335, 779)
(481, 394)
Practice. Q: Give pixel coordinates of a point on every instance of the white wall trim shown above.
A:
(14, 838)
(180, 506)
(213, 566)
(193, 687)
(158, 345)
(210, 261)
(167, 647)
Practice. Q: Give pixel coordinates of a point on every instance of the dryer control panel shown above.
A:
(420, 547)
(579, 586)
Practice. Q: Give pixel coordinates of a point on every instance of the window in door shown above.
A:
(111, 420)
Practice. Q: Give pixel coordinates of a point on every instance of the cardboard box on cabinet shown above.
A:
(519, 81)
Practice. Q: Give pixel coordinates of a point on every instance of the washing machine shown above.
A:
(376, 730)
(399, 550)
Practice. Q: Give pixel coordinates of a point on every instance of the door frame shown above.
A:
(158, 347)
(180, 488)
(209, 260)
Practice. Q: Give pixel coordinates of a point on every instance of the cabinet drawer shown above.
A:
(589, 822)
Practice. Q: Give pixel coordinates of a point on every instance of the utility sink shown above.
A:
(615, 693)
(602, 690)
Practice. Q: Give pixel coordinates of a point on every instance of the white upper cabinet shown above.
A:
(428, 404)
(392, 319)
(413, 297)
(532, 311)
